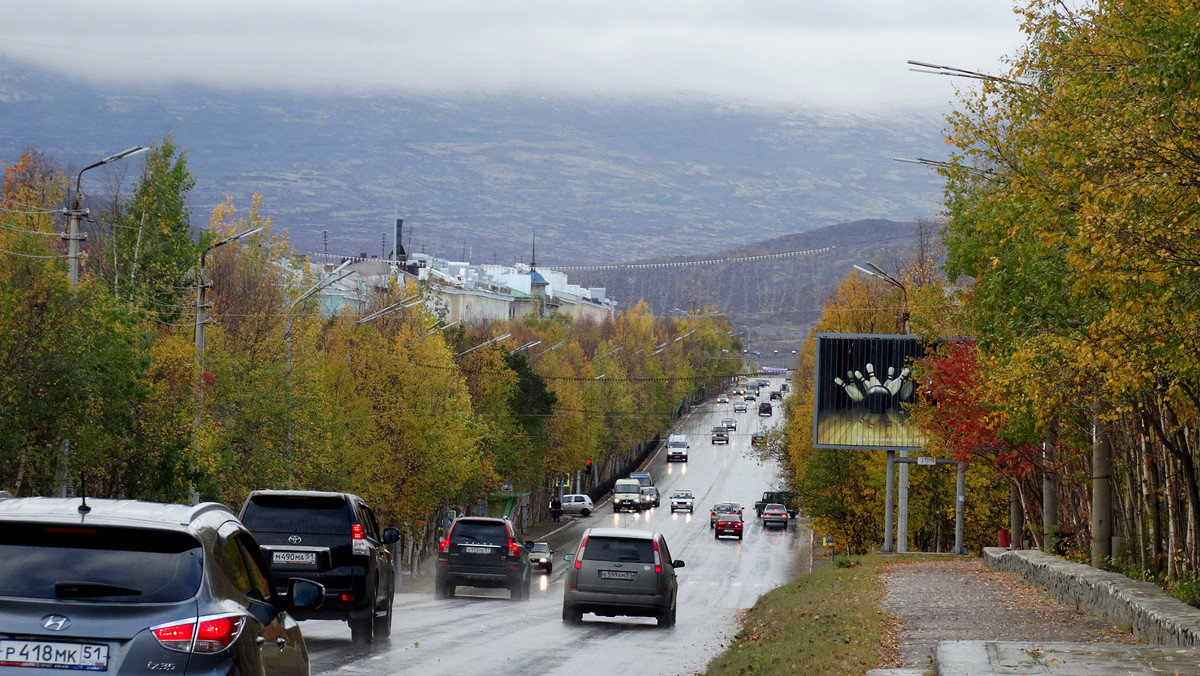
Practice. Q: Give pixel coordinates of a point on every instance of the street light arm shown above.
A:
(111, 158)
(333, 277)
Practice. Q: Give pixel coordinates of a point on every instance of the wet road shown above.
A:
(482, 632)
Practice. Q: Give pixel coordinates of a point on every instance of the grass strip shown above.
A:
(826, 622)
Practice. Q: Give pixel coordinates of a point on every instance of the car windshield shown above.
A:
(719, 430)
(540, 548)
(636, 550)
(681, 494)
(721, 507)
(113, 565)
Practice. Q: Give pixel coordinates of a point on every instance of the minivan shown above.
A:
(627, 494)
(621, 572)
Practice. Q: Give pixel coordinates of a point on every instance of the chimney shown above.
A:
(398, 252)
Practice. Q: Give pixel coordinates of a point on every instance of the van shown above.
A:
(677, 448)
(627, 494)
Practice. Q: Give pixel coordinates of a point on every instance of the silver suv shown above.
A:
(620, 571)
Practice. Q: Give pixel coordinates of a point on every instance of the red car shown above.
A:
(729, 523)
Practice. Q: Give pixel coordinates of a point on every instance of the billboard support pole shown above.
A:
(902, 507)
(960, 504)
(889, 499)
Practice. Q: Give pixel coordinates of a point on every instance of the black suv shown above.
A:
(331, 538)
(123, 586)
(481, 551)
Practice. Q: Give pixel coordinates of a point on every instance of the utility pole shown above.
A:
(76, 213)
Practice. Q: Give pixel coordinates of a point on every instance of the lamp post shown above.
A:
(201, 319)
(76, 213)
(902, 492)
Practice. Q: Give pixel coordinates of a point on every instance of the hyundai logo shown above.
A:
(295, 539)
(55, 622)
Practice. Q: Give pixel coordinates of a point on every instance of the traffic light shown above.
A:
(587, 467)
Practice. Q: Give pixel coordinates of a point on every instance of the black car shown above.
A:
(334, 539)
(123, 586)
(482, 551)
(764, 408)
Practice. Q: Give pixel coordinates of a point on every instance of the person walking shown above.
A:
(556, 509)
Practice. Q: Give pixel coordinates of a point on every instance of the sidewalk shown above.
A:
(980, 622)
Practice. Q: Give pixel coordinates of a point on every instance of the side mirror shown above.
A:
(677, 563)
(391, 535)
(529, 544)
(569, 558)
(305, 594)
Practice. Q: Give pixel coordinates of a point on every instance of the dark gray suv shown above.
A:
(481, 551)
(621, 571)
(123, 586)
(334, 539)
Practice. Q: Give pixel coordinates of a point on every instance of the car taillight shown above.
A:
(444, 545)
(211, 634)
(579, 553)
(356, 531)
(657, 558)
(513, 548)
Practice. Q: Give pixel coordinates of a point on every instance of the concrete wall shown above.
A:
(1155, 616)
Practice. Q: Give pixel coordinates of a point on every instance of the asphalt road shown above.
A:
(483, 632)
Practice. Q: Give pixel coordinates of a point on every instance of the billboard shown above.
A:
(862, 384)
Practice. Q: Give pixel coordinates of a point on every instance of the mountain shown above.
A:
(596, 180)
(772, 290)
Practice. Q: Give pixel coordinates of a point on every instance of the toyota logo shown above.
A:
(295, 539)
(55, 622)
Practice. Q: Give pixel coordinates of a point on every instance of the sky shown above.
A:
(812, 53)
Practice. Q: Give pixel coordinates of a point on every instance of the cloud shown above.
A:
(789, 51)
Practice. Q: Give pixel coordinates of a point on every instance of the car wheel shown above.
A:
(667, 619)
(716, 535)
(571, 615)
(362, 630)
(739, 536)
(549, 568)
(585, 512)
(442, 589)
(383, 625)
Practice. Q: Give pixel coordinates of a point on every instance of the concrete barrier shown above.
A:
(1155, 616)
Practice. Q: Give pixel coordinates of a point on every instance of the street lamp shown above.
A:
(878, 273)
(485, 344)
(201, 319)
(76, 212)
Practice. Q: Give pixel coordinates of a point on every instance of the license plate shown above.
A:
(83, 656)
(477, 550)
(616, 575)
(300, 558)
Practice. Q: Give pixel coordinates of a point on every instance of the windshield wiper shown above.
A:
(78, 590)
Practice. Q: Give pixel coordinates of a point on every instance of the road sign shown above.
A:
(826, 541)
(926, 461)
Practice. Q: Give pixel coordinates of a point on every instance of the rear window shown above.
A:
(325, 515)
(88, 563)
(636, 550)
(480, 532)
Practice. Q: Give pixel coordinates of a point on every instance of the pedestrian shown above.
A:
(556, 509)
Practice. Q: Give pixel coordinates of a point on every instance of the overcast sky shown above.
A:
(822, 53)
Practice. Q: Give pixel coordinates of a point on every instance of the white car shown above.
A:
(681, 500)
(577, 504)
(722, 398)
(739, 407)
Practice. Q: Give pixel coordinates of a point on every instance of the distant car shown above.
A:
(764, 383)
(123, 586)
(722, 398)
(482, 551)
(541, 556)
(764, 408)
(723, 508)
(775, 513)
(751, 395)
(621, 571)
(729, 523)
(650, 496)
(739, 407)
(730, 423)
(681, 500)
(720, 435)
(577, 504)
(784, 387)
(776, 396)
